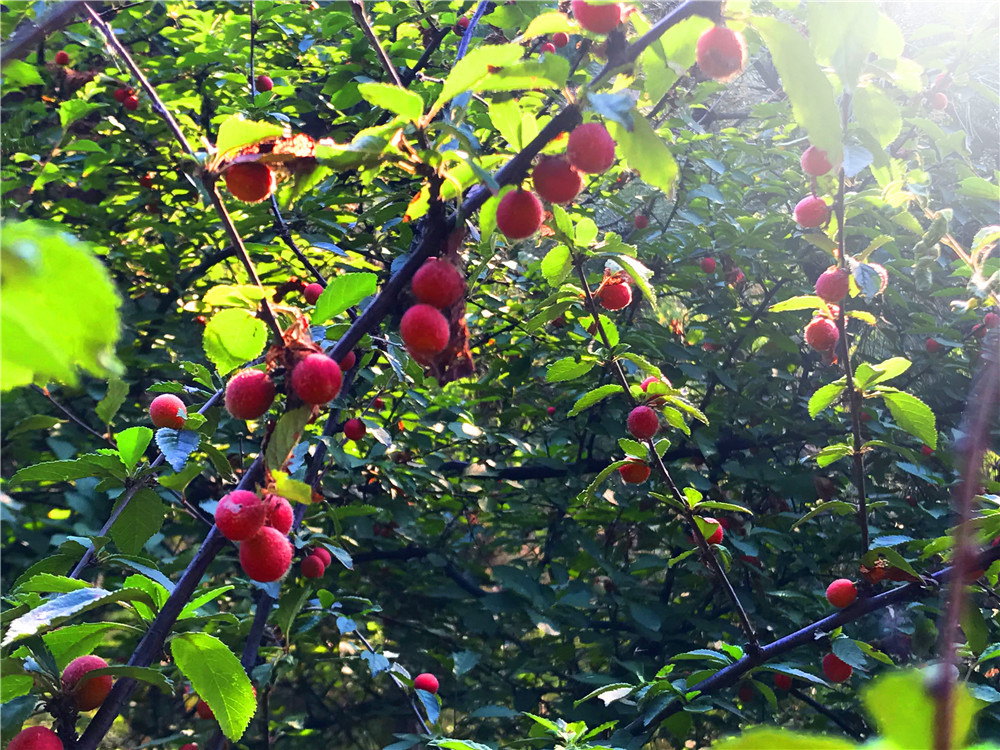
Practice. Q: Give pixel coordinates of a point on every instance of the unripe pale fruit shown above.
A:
(426, 681)
(635, 472)
(708, 265)
(312, 293)
(590, 148)
(250, 182)
(313, 567)
(835, 669)
(267, 556)
(833, 284)
(814, 162)
(782, 681)
(615, 296)
(249, 394)
(279, 511)
(548, 47)
(841, 593)
(939, 100)
(424, 330)
(167, 410)
(62, 58)
(316, 379)
(131, 103)
(933, 346)
(91, 693)
(822, 334)
(323, 554)
(721, 53)
(599, 19)
(643, 422)
(716, 536)
(811, 211)
(348, 362)
(354, 429)
(555, 180)
(519, 214)
(437, 282)
(240, 514)
(560, 39)
(264, 83)
(991, 319)
(36, 738)
(641, 222)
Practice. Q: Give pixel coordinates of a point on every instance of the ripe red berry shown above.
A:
(841, 593)
(437, 282)
(822, 334)
(938, 101)
(615, 296)
(641, 221)
(814, 162)
(62, 57)
(312, 293)
(746, 693)
(643, 422)
(263, 83)
(323, 554)
(378, 403)
(250, 182)
(708, 265)
(426, 681)
(201, 320)
(782, 681)
(147, 180)
(121, 94)
(425, 331)
(933, 346)
(560, 39)
(555, 180)
(833, 284)
(189, 746)
(519, 214)
(991, 319)
(548, 47)
(716, 536)
(316, 379)
(90, 694)
(203, 710)
(590, 147)
(599, 19)
(721, 53)
(240, 514)
(279, 513)
(354, 429)
(979, 331)
(461, 25)
(313, 567)
(653, 379)
(249, 394)
(36, 738)
(927, 450)
(348, 362)
(266, 556)
(835, 669)
(550, 410)
(634, 472)
(131, 103)
(811, 211)
(167, 410)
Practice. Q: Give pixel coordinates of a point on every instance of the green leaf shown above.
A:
(556, 264)
(848, 651)
(831, 506)
(894, 558)
(393, 98)
(825, 396)
(154, 677)
(607, 693)
(868, 375)
(549, 23)
(34, 423)
(772, 738)
(831, 453)
(592, 397)
(18, 74)
(67, 643)
(604, 474)
(913, 415)
(341, 293)
(801, 302)
(633, 448)
(236, 133)
(60, 609)
(646, 153)
(474, 67)
(108, 406)
(551, 72)
(977, 187)
(291, 489)
(177, 445)
(974, 627)
(233, 337)
(141, 519)
(878, 114)
(586, 232)
(132, 444)
(218, 678)
(45, 583)
(717, 505)
(568, 369)
(506, 117)
(842, 36)
(639, 274)
(87, 465)
(72, 110)
(285, 436)
(234, 295)
(192, 607)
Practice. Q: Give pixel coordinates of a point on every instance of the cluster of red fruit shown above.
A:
(315, 379)
(127, 98)
(314, 564)
(262, 526)
(832, 286)
(813, 211)
(643, 424)
(436, 285)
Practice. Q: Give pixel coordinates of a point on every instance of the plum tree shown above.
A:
(519, 214)
(267, 555)
(643, 422)
(555, 179)
(317, 379)
(600, 19)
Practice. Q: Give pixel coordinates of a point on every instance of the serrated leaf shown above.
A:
(45, 583)
(825, 396)
(903, 709)
(633, 448)
(831, 506)
(604, 474)
(236, 133)
(431, 704)
(913, 415)
(549, 23)
(878, 114)
(592, 397)
(568, 369)
(60, 609)
(192, 607)
(132, 444)
(113, 399)
(341, 293)
(868, 375)
(801, 302)
(141, 519)
(718, 505)
(474, 67)
(393, 98)
(607, 693)
(177, 445)
(87, 465)
(833, 453)
(218, 678)
(285, 436)
(646, 153)
(232, 337)
(639, 274)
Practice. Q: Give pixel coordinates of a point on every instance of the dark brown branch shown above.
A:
(358, 11)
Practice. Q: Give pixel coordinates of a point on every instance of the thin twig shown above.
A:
(358, 11)
(72, 416)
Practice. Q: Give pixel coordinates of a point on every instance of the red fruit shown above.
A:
(979, 331)
(312, 293)
(548, 47)
(201, 320)
(933, 346)
(378, 403)
(590, 147)
(599, 19)
(250, 182)
(425, 331)
(615, 296)
(822, 334)
(708, 265)
(841, 593)
(263, 83)
(560, 39)
(782, 681)
(323, 554)
(635, 472)
(279, 513)
(555, 179)
(746, 693)
(354, 429)
(866, 417)
(716, 536)
(938, 101)
(313, 567)
(147, 180)
(168, 411)
(316, 379)
(643, 422)
(641, 222)
(652, 379)
(62, 58)
(131, 103)
(437, 282)
(811, 211)
(240, 514)
(426, 681)
(835, 669)
(927, 450)
(721, 53)
(266, 556)
(942, 80)
(519, 214)
(90, 694)
(348, 361)
(189, 746)
(36, 738)
(551, 410)
(121, 94)
(249, 394)
(814, 162)
(991, 319)
(833, 284)
(461, 25)
(203, 711)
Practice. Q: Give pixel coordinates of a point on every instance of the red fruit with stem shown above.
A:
(641, 221)
(979, 330)
(590, 148)
(555, 180)
(378, 403)
(615, 296)
(425, 331)
(312, 293)
(939, 100)
(716, 536)
(721, 53)
(833, 284)
(36, 738)
(167, 410)
(354, 429)
(263, 83)
(841, 593)
(548, 47)
(62, 57)
(323, 554)
(249, 394)
(634, 472)
(316, 379)
(814, 162)
(267, 556)
(653, 379)
(991, 320)
(89, 694)
(519, 214)
(933, 346)
(835, 669)
(240, 514)
(927, 450)
(131, 103)
(599, 19)
(811, 211)
(313, 567)
(348, 362)
(708, 265)
(643, 422)
(250, 182)
(560, 39)
(782, 681)
(822, 334)
(279, 513)
(426, 681)
(437, 282)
